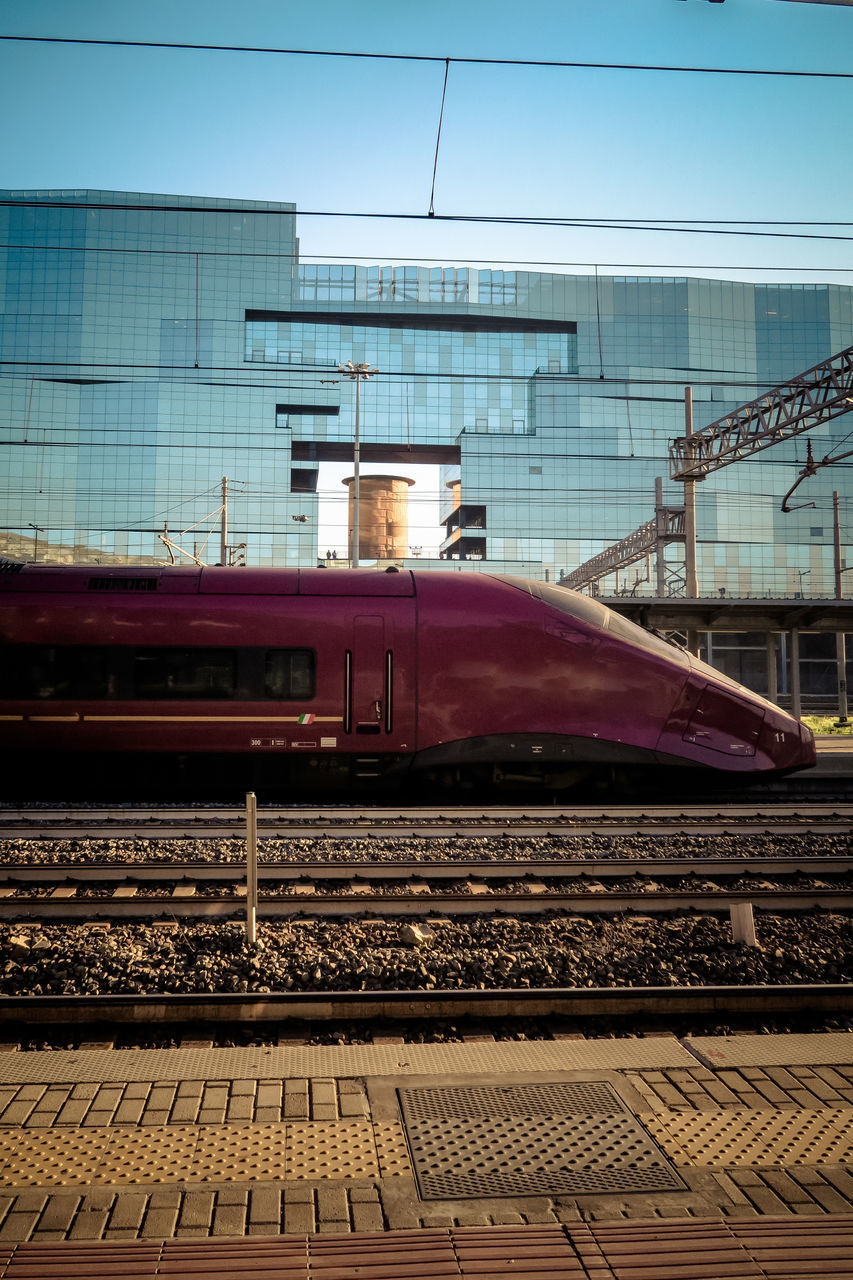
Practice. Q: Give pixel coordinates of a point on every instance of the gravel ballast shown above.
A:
(482, 952)
(452, 848)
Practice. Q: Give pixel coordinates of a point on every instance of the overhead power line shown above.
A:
(46, 370)
(515, 220)
(435, 58)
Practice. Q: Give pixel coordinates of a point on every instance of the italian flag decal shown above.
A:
(307, 718)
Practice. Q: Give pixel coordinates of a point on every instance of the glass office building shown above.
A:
(152, 345)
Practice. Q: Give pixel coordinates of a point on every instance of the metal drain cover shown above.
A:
(537, 1139)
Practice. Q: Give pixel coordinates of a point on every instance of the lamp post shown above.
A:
(37, 529)
(356, 372)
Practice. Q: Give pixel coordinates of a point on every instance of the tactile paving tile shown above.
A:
(156, 1154)
(333, 1149)
(391, 1149)
(822, 1136)
(204, 1153)
(67, 1157)
(10, 1140)
(700, 1137)
(509, 1140)
(241, 1153)
(755, 1138)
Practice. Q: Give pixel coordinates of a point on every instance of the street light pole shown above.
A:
(356, 372)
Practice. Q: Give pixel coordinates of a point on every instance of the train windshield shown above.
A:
(572, 602)
(562, 598)
(596, 614)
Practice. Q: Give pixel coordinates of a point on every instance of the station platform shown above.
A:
(585, 1155)
(829, 744)
(834, 759)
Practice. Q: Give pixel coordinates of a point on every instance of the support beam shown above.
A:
(808, 400)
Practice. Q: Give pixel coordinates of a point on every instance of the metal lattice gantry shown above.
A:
(811, 398)
(666, 526)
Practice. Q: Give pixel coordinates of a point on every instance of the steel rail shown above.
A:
(404, 1006)
(294, 824)
(421, 905)
(597, 868)
(430, 813)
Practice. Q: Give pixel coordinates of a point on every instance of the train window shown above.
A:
(184, 673)
(289, 674)
(55, 671)
(98, 673)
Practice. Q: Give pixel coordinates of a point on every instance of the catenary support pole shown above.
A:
(796, 702)
(223, 528)
(251, 867)
(660, 542)
(840, 639)
(772, 669)
(691, 583)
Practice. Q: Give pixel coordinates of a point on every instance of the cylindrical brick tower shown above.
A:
(383, 518)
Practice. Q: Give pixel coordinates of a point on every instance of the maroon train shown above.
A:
(331, 675)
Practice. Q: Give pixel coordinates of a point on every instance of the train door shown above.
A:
(371, 699)
(379, 700)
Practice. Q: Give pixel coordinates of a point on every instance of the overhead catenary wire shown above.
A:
(196, 445)
(522, 220)
(128, 371)
(427, 57)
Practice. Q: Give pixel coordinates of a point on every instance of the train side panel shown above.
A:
(258, 670)
(368, 670)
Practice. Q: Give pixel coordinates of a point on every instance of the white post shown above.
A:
(251, 867)
(743, 923)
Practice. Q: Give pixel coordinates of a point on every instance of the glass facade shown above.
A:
(152, 345)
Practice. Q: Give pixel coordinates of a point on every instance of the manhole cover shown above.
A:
(516, 1140)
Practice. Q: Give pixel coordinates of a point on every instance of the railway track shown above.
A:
(179, 874)
(194, 823)
(321, 890)
(214, 821)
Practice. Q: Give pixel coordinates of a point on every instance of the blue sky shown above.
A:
(339, 134)
(355, 135)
